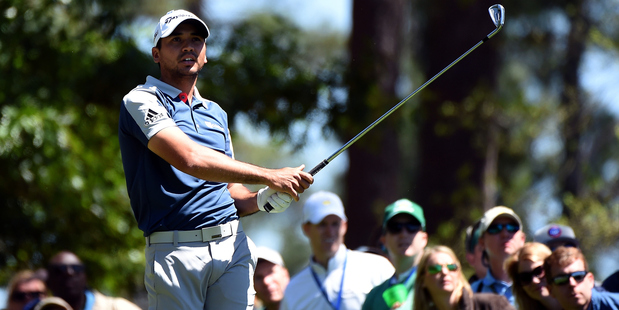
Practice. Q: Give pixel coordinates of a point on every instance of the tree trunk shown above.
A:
(573, 106)
(375, 50)
(458, 139)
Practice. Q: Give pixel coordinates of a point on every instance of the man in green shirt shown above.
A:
(404, 237)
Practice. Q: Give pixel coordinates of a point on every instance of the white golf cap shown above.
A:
(321, 204)
(495, 212)
(270, 255)
(171, 20)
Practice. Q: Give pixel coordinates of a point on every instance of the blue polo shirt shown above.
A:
(604, 300)
(489, 284)
(162, 197)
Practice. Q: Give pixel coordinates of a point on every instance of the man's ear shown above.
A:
(424, 237)
(155, 52)
(305, 228)
(590, 277)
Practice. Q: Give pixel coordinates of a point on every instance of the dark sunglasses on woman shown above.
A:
(434, 269)
(23, 296)
(526, 278)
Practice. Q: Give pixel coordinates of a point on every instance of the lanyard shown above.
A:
(394, 279)
(338, 303)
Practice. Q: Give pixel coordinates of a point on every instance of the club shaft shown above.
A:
(325, 162)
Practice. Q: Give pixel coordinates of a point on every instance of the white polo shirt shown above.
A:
(363, 272)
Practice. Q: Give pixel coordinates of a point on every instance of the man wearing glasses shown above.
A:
(501, 236)
(67, 280)
(404, 237)
(571, 283)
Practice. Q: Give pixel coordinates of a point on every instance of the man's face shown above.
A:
(502, 243)
(66, 276)
(327, 236)
(270, 281)
(182, 53)
(571, 294)
(403, 236)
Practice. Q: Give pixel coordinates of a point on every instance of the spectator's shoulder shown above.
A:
(611, 283)
(370, 257)
(113, 303)
(300, 277)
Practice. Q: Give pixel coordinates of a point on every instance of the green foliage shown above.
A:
(594, 222)
(266, 71)
(65, 69)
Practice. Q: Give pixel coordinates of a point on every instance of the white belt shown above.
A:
(199, 235)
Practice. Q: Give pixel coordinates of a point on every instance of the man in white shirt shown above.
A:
(336, 278)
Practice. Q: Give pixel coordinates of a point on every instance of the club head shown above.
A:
(497, 13)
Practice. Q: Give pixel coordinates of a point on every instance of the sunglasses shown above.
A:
(396, 228)
(23, 296)
(434, 269)
(497, 228)
(526, 278)
(63, 269)
(563, 279)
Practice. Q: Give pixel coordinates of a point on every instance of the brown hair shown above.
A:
(422, 298)
(531, 251)
(562, 257)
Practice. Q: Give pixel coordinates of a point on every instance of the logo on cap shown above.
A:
(554, 232)
(169, 19)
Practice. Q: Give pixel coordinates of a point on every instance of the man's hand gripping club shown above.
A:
(289, 179)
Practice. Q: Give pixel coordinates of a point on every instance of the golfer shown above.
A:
(184, 184)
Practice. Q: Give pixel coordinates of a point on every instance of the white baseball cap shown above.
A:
(495, 212)
(169, 22)
(321, 204)
(270, 255)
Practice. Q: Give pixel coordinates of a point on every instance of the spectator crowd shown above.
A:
(549, 272)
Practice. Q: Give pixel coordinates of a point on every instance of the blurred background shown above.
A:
(529, 120)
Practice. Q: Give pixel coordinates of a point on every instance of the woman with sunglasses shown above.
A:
(441, 285)
(24, 287)
(526, 269)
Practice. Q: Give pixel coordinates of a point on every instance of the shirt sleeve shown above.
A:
(148, 112)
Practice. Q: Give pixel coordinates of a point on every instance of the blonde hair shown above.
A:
(423, 299)
(531, 251)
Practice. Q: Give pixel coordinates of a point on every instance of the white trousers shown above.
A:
(201, 275)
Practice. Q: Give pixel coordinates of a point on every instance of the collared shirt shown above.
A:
(375, 300)
(363, 272)
(491, 285)
(162, 197)
(602, 300)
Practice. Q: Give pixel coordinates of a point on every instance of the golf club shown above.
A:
(497, 14)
